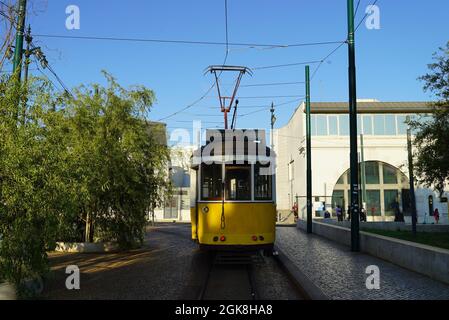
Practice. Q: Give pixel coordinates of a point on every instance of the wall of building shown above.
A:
(289, 147)
(330, 160)
(177, 208)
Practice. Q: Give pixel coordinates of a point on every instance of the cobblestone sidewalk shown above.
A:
(340, 273)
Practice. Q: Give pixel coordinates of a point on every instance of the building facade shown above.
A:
(177, 206)
(384, 182)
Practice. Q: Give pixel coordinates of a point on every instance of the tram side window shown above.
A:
(238, 183)
(211, 182)
(262, 183)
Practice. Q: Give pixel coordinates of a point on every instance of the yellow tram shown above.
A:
(233, 195)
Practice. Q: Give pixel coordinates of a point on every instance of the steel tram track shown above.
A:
(233, 267)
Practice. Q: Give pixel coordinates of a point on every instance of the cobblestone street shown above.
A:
(157, 271)
(164, 269)
(340, 274)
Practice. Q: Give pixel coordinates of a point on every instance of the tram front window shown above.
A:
(211, 182)
(238, 183)
(262, 183)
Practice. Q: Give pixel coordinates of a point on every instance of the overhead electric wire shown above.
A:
(272, 84)
(66, 89)
(265, 106)
(326, 58)
(10, 19)
(286, 65)
(214, 84)
(226, 26)
(192, 42)
(271, 97)
(345, 42)
(357, 8)
(210, 122)
(40, 70)
(53, 72)
(7, 5)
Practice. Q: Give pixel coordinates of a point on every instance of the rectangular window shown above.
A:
(344, 125)
(238, 182)
(321, 125)
(390, 125)
(402, 126)
(313, 125)
(359, 125)
(373, 203)
(368, 125)
(333, 126)
(379, 125)
(211, 182)
(389, 174)
(391, 202)
(372, 173)
(338, 199)
(262, 183)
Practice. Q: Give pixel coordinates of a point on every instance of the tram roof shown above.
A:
(234, 145)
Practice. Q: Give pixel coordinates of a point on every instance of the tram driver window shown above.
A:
(262, 183)
(238, 183)
(211, 182)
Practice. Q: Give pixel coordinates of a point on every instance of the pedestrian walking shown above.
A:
(349, 213)
(295, 212)
(398, 216)
(363, 215)
(339, 213)
(436, 215)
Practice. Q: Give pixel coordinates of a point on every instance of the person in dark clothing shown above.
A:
(363, 215)
(349, 213)
(398, 216)
(339, 213)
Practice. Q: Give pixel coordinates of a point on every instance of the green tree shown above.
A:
(431, 137)
(34, 191)
(118, 162)
(91, 164)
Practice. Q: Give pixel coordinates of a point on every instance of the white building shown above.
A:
(385, 153)
(177, 207)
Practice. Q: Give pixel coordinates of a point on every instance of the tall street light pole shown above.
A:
(363, 172)
(273, 122)
(308, 153)
(412, 179)
(355, 233)
(18, 54)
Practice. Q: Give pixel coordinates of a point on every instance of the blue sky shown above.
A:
(389, 60)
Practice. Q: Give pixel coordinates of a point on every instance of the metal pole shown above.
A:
(355, 233)
(17, 63)
(412, 179)
(308, 153)
(28, 40)
(363, 171)
(273, 121)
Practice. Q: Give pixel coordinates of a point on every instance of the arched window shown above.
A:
(383, 190)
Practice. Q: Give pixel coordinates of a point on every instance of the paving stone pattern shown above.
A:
(340, 273)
